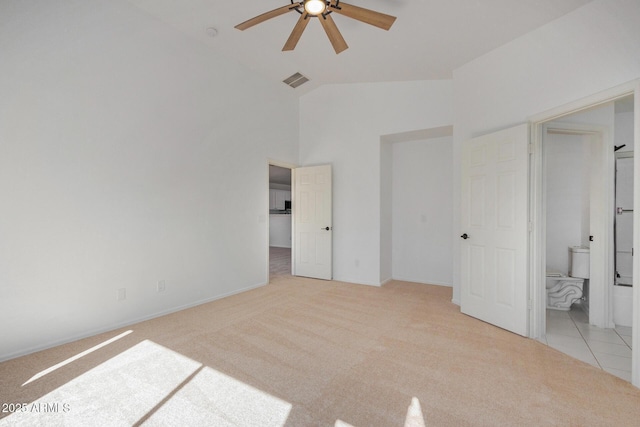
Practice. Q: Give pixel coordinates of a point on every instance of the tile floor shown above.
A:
(608, 349)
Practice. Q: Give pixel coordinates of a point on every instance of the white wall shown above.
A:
(567, 161)
(584, 52)
(276, 186)
(569, 165)
(422, 211)
(354, 117)
(624, 131)
(126, 157)
(386, 211)
(280, 231)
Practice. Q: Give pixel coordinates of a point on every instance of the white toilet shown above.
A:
(563, 290)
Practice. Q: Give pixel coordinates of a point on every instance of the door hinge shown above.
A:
(529, 305)
(531, 150)
(530, 226)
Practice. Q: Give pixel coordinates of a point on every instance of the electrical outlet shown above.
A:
(122, 294)
(162, 286)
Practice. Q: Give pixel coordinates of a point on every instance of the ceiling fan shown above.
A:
(322, 9)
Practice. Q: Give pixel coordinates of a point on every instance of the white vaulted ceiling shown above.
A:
(429, 39)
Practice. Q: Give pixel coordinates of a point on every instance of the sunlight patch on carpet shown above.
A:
(74, 358)
(213, 398)
(120, 391)
(414, 415)
(149, 384)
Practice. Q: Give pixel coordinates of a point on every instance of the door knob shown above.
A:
(465, 236)
(326, 228)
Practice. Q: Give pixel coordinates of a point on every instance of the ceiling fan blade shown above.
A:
(361, 14)
(267, 15)
(333, 33)
(297, 32)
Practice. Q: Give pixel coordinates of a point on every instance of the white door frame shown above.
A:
(537, 241)
(291, 166)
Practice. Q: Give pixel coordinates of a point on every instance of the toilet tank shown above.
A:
(579, 264)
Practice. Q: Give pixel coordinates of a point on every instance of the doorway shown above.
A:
(280, 221)
(576, 152)
(578, 188)
(300, 227)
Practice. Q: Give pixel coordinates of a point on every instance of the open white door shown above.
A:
(494, 228)
(312, 231)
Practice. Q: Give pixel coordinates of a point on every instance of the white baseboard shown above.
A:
(401, 278)
(356, 282)
(422, 280)
(123, 324)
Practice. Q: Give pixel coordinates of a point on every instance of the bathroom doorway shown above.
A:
(580, 155)
(575, 209)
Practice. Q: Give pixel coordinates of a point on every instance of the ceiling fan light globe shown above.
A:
(314, 7)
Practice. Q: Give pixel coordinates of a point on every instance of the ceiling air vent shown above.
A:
(295, 80)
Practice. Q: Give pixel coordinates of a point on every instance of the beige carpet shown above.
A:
(301, 352)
